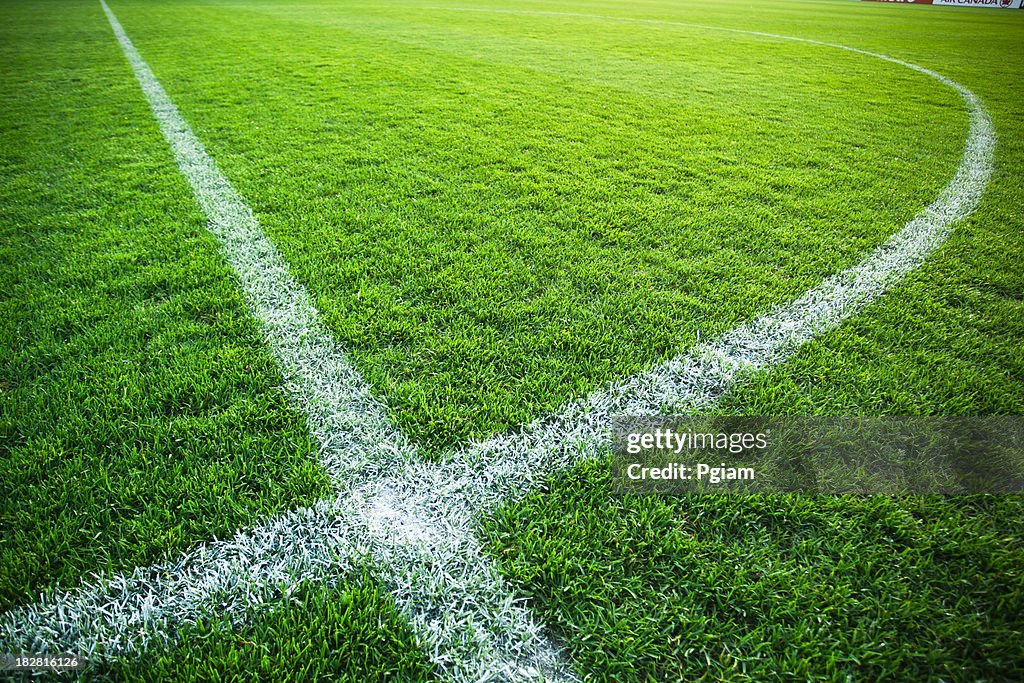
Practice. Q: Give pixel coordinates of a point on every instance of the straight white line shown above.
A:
(415, 527)
(352, 427)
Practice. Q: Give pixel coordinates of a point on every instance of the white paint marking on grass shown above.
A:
(481, 630)
(406, 533)
(352, 427)
(695, 380)
(414, 529)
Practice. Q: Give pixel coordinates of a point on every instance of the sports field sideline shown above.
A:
(315, 314)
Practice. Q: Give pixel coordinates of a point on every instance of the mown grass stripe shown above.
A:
(416, 527)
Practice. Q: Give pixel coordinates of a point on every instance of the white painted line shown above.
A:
(352, 427)
(693, 381)
(415, 527)
(416, 544)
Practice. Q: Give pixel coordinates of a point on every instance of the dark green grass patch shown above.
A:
(346, 634)
(139, 409)
(764, 588)
(499, 212)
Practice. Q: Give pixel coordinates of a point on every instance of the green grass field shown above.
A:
(497, 212)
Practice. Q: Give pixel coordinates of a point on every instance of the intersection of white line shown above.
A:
(412, 524)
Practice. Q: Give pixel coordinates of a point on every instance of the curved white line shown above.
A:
(415, 528)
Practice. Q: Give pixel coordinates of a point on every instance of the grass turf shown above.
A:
(497, 212)
(770, 588)
(139, 410)
(822, 589)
